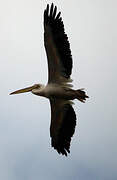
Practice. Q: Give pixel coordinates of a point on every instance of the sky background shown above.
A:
(25, 150)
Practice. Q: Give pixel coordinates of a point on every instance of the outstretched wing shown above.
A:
(57, 47)
(62, 128)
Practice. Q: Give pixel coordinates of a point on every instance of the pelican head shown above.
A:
(35, 89)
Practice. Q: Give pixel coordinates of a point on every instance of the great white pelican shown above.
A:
(58, 90)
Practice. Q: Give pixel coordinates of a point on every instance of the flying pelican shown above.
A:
(58, 89)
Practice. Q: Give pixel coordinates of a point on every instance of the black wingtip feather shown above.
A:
(51, 11)
(47, 9)
(58, 16)
(54, 13)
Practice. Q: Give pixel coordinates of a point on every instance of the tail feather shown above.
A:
(81, 95)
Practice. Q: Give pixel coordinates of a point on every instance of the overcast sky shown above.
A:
(25, 150)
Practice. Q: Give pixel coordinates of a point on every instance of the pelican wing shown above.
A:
(62, 128)
(57, 47)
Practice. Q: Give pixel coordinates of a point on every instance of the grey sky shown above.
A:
(25, 151)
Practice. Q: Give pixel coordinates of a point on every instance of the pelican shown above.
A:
(58, 90)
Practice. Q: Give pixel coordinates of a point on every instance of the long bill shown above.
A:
(28, 89)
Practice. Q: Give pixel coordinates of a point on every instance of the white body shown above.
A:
(55, 91)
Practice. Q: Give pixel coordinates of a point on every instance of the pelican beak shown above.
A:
(28, 89)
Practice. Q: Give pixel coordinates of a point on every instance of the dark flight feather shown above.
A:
(62, 127)
(55, 23)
